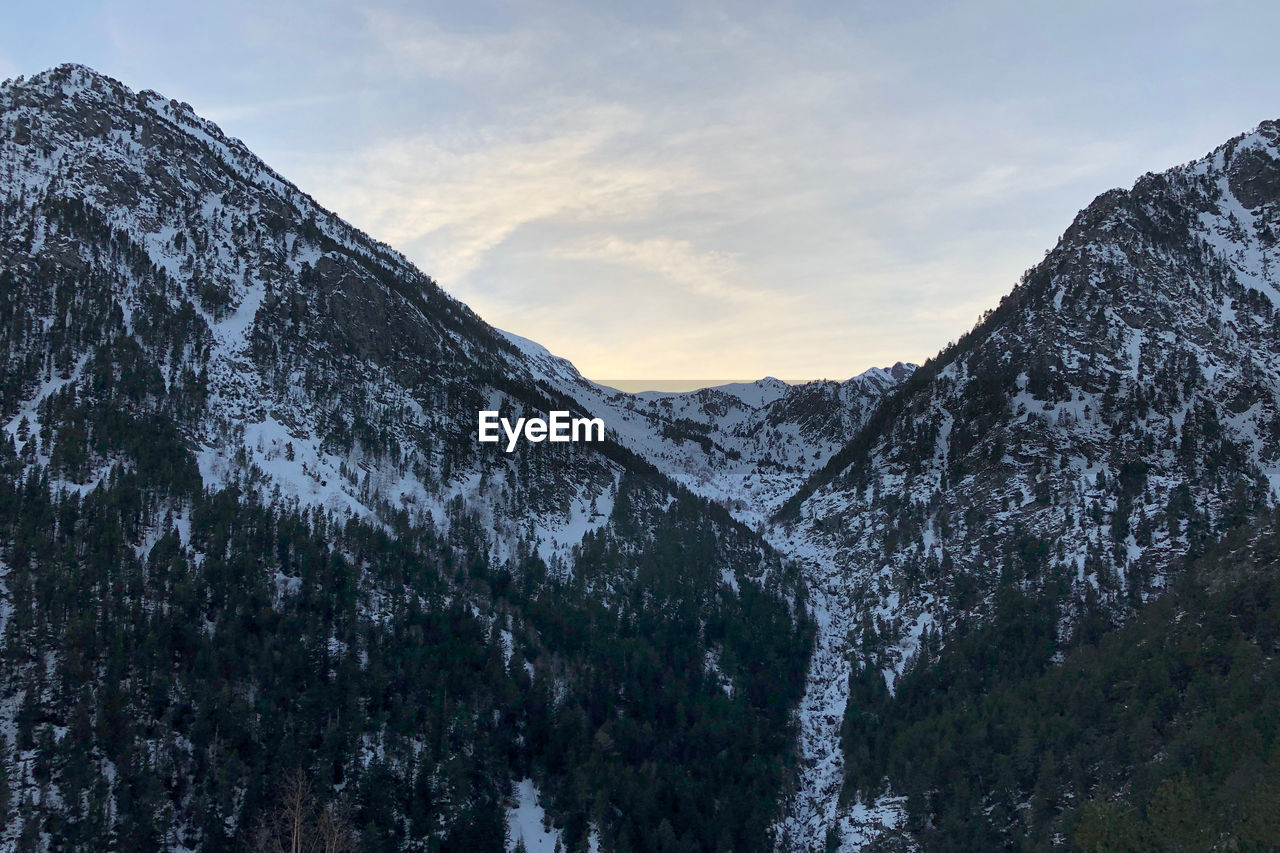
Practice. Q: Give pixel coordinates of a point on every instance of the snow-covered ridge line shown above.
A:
(748, 446)
(71, 79)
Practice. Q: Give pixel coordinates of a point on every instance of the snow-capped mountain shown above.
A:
(326, 360)
(748, 446)
(319, 339)
(185, 325)
(1117, 410)
(246, 529)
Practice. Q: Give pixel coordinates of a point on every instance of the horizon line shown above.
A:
(676, 386)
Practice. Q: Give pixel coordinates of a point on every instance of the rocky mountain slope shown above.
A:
(248, 410)
(1119, 409)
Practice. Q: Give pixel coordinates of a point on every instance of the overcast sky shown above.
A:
(724, 190)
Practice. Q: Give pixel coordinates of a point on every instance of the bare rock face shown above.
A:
(1254, 174)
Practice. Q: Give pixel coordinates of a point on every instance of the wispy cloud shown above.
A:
(710, 274)
(415, 47)
(702, 188)
(745, 203)
(455, 197)
(240, 111)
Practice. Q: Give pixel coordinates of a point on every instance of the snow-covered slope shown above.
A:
(748, 446)
(166, 298)
(329, 368)
(333, 369)
(1118, 409)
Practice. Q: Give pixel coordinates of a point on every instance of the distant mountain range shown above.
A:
(679, 386)
(249, 544)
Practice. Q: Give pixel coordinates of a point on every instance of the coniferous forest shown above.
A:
(204, 666)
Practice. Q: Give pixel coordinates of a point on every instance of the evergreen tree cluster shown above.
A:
(1160, 734)
(170, 654)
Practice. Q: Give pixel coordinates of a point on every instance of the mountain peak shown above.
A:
(69, 78)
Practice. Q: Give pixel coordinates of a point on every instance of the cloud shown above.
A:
(693, 191)
(697, 188)
(457, 197)
(708, 273)
(245, 110)
(415, 46)
(724, 229)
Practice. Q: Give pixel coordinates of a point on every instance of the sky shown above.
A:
(684, 190)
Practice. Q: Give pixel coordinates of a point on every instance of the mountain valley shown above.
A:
(248, 536)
